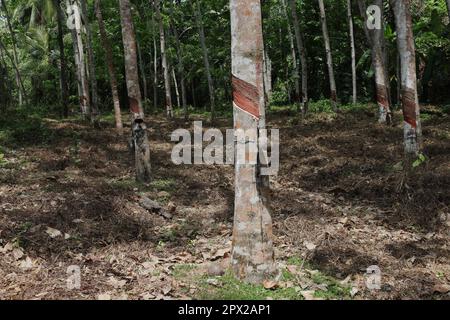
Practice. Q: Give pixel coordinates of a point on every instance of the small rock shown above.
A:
(53, 233)
(149, 204)
(17, 253)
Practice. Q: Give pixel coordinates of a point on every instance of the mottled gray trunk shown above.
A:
(296, 71)
(138, 127)
(91, 65)
(302, 51)
(110, 64)
(201, 32)
(175, 83)
(165, 65)
(410, 101)
(375, 37)
(352, 46)
(74, 13)
(267, 77)
(252, 253)
(326, 40)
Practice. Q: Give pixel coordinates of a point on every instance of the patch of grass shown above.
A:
(187, 230)
(163, 184)
(181, 271)
(323, 105)
(357, 106)
(229, 288)
(23, 127)
(334, 289)
(128, 184)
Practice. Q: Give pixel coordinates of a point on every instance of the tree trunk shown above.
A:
(74, 13)
(302, 52)
(352, 46)
(252, 254)
(138, 127)
(375, 38)
(201, 32)
(165, 65)
(267, 77)
(155, 67)
(177, 92)
(410, 101)
(91, 65)
(296, 74)
(326, 40)
(110, 64)
(180, 56)
(73, 33)
(19, 83)
(62, 58)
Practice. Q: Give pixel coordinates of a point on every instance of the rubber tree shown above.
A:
(165, 64)
(138, 127)
(352, 46)
(110, 65)
(326, 40)
(252, 254)
(180, 65)
(302, 52)
(62, 59)
(73, 11)
(410, 102)
(201, 32)
(296, 70)
(91, 64)
(375, 37)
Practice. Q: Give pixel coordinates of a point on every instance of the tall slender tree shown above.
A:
(252, 254)
(165, 62)
(302, 52)
(326, 40)
(20, 87)
(375, 38)
(62, 59)
(352, 46)
(296, 70)
(180, 65)
(201, 32)
(138, 127)
(83, 84)
(410, 101)
(155, 65)
(91, 64)
(110, 64)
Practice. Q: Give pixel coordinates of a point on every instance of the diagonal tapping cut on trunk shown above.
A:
(252, 254)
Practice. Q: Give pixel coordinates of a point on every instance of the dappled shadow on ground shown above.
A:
(339, 203)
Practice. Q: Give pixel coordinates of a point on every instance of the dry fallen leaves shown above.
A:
(270, 284)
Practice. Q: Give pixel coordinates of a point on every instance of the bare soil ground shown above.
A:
(341, 203)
